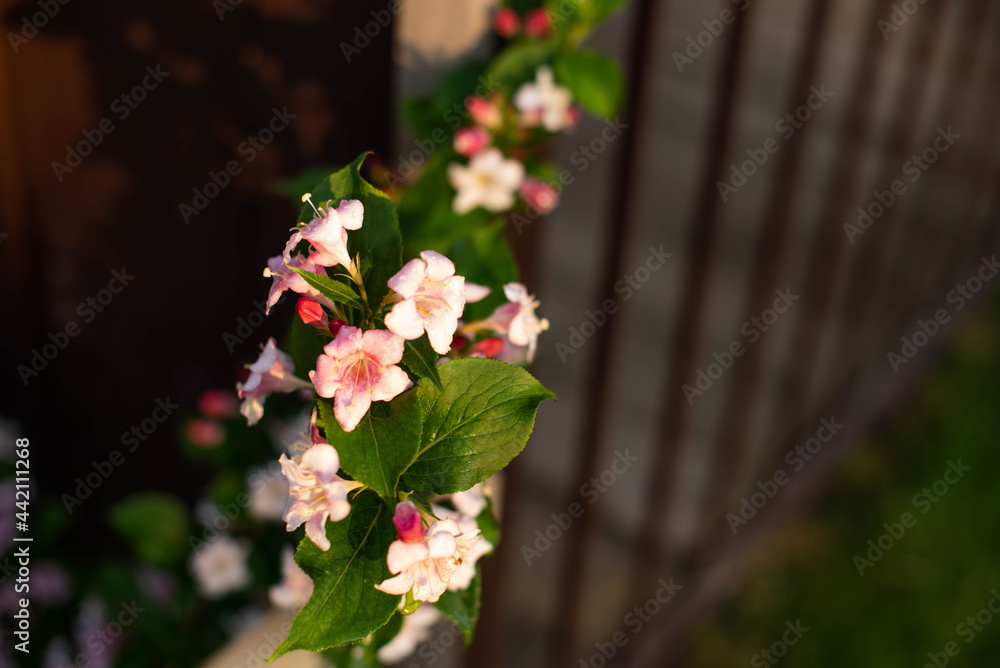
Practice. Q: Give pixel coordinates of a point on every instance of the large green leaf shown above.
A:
(462, 607)
(597, 82)
(331, 288)
(378, 241)
(421, 360)
(155, 525)
(475, 426)
(345, 606)
(383, 444)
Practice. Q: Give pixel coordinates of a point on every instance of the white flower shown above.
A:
(268, 493)
(426, 562)
(517, 318)
(472, 549)
(316, 492)
(432, 298)
(295, 587)
(489, 181)
(416, 629)
(472, 501)
(274, 371)
(544, 102)
(220, 566)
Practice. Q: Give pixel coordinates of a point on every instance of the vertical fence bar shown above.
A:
(598, 375)
(771, 252)
(681, 357)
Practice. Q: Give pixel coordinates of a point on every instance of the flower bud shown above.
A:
(470, 141)
(312, 313)
(409, 526)
(537, 23)
(506, 22)
(205, 433)
(490, 347)
(483, 112)
(218, 404)
(539, 194)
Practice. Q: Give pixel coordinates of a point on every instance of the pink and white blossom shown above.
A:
(315, 492)
(220, 566)
(489, 181)
(470, 141)
(472, 501)
(283, 278)
(295, 587)
(543, 102)
(471, 545)
(358, 368)
(327, 234)
(274, 371)
(426, 564)
(517, 318)
(432, 300)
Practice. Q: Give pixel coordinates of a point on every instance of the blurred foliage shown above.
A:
(911, 601)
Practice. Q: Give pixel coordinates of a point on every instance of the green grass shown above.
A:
(910, 602)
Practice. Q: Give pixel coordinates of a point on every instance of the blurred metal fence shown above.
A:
(859, 218)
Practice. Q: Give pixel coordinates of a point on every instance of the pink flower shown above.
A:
(295, 587)
(328, 234)
(471, 549)
(315, 492)
(312, 314)
(517, 318)
(539, 194)
(359, 368)
(274, 371)
(433, 299)
(489, 181)
(506, 22)
(484, 112)
(475, 292)
(470, 141)
(537, 23)
(426, 564)
(203, 433)
(218, 404)
(286, 279)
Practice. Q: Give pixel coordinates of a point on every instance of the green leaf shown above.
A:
(485, 257)
(475, 427)
(462, 607)
(383, 444)
(331, 288)
(296, 186)
(596, 82)
(345, 606)
(155, 525)
(378, 241)
(421, 360)
(519, 61)
(306, 345)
